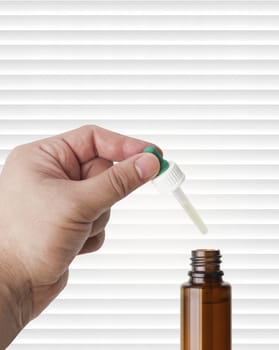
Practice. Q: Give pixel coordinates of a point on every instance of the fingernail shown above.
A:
(147, 166)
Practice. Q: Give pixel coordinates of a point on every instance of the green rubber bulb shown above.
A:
(164, 164)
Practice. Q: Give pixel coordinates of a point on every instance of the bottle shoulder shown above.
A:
(215, 284)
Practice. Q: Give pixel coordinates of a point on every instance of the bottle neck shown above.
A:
(206, 266)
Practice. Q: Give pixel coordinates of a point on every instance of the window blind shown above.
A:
(200, 79)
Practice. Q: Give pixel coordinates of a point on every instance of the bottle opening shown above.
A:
(206, 261)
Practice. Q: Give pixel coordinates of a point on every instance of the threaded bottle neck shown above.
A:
(206, 265)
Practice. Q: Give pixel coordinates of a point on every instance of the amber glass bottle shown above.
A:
(206, 305)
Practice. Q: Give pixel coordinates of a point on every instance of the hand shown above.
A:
(55, 199)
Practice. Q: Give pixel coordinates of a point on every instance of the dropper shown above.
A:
(169, 180)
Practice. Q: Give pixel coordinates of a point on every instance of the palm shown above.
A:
(68, 229)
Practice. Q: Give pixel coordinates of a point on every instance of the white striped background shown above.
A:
(200, 79)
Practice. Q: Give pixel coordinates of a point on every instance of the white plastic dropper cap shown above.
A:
(169, 180)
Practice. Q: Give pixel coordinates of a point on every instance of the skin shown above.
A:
(55, 200)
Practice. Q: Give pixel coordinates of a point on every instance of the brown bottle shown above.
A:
(206, 305)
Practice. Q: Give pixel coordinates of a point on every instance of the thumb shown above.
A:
(104, 190)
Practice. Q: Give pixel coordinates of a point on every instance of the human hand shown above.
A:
(55, 199)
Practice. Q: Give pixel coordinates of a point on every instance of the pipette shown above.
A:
(168, 180)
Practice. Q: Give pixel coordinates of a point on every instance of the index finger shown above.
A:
(90, 141)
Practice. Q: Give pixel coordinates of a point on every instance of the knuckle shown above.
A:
(100, 240)
(89, 127)
(119, 181)
(17, 151)
(100, 224)
(18, 154)
(86, 127)
(107, 216)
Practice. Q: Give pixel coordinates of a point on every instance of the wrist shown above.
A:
(15, 299)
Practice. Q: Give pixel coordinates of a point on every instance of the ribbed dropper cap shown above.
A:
(170, 176)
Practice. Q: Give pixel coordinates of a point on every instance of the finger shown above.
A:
(100, 192)
(94, 167)
(100, 224)
(93, 244)
(91, 141)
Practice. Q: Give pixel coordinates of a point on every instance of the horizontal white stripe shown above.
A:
(125, 7)
(127, 97)
(139, 111)
(100, 334)
(138, 67)
(232, 186)
(143, 82)
(140, 22)
(177, 230)
(223, 202)
(242, 216)
(138, 52)
(169, 127)
(170, 37)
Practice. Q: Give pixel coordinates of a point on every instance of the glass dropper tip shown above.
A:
(190, 210)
